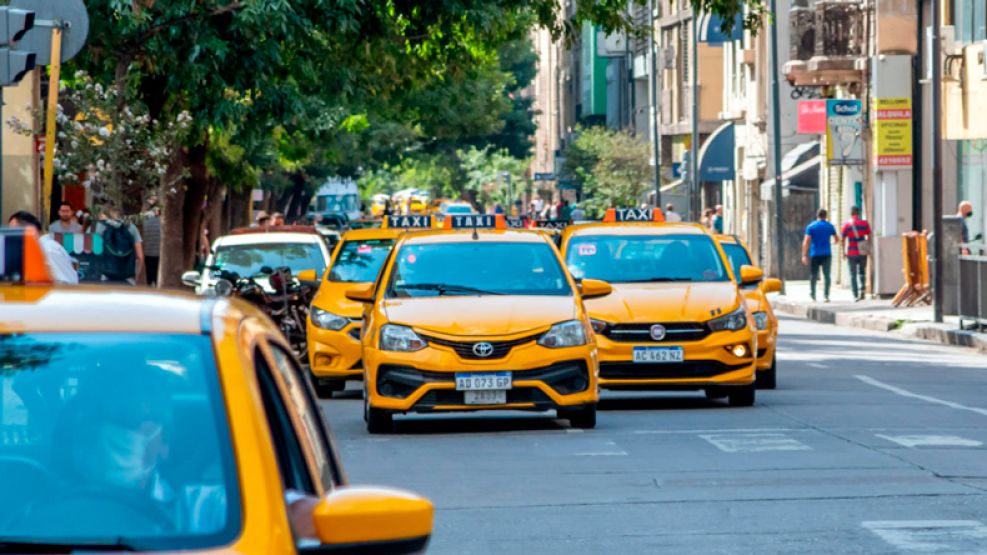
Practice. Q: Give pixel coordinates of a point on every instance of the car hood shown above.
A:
(332, 297)
(665, 302)
(480, 315)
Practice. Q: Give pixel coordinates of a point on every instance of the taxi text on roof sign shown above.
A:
(409, 221)
(475, 221)
(551, 224)
(516, 222)
(21, 257)
(634, 215)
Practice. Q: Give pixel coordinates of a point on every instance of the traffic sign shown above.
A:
(70, 15)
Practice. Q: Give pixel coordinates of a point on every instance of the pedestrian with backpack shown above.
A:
(855, 235)
(123, 253)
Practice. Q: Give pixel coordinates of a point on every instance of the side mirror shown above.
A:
(771, 285)
(592, 288)
(191, 278)
(308, 275)
(367, 519)
(363, 293)
(750, 274)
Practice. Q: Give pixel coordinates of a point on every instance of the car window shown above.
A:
(477, 267)
(108, 438)
(247, 260)
(300, 400)
(737, 255)
(360, 261)
(645, 258)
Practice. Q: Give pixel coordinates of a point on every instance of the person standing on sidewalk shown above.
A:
(671, 216)
(856, 235)
(817, 253)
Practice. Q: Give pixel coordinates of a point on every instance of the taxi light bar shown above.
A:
(21, 259)
(550, 224)
(634, 215)
(407, 221)
(517, 222)
(475, 221)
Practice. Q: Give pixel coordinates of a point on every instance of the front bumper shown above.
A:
(707, 362)
(424, 381)
(335, 355)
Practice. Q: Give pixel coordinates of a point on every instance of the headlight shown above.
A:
(223, 287)
(327, 320)
(761, 319)
(736, 320)
(565, 334)
(599, 326)
(400, 338)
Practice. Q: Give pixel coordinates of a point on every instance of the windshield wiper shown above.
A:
(63, 545)
(443, 288)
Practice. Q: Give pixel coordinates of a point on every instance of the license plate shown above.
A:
(658, 354)
(482, 381)
(486, 397)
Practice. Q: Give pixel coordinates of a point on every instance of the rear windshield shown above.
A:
(114, 438)
(360, 261)
(247, 260)
(477, 268)
(645, 258)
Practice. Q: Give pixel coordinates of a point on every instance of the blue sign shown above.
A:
(716, 158)
(544, 177)
(711, 30)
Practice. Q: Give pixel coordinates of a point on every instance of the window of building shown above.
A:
(970, 20)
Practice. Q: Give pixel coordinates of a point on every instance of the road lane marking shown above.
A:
(905, 393)
(574, 430)
(718, 431)
(754, 443)
(913, 441)
(611, 450)
(931, 536)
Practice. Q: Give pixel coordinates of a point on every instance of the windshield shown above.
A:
(360, 261)
(477, 268)
(645, 258)
(737, 255)
(247, 260)
(115, 438)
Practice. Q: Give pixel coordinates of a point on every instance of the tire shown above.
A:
(714, 393)
(583, 417)
(768, 379)
(325, 389)
(742, 396)
(378, 421)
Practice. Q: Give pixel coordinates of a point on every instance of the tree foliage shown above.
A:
(611, 166)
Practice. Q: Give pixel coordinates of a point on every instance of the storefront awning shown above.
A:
(716, 157)
(804, 176)
(711, 33)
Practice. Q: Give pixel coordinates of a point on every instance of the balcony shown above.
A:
(827, 43)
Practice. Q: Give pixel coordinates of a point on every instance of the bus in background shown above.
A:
(338, 195)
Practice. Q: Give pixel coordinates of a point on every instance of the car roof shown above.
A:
(119, 309)
(634, 228)
(369, 233)
(271, 237)
(466, 235)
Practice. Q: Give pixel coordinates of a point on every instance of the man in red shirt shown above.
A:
(856, 235)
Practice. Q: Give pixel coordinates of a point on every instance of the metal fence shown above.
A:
(973, 286)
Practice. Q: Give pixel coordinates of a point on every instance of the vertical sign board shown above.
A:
(844, 139)
(812, 117)
(893, 132)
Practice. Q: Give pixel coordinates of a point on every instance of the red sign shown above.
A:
(812, 117)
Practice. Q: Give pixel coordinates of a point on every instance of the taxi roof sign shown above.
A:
(21, 259)
(407, 221)
(634, 215)
(550, 224)
(475, 221)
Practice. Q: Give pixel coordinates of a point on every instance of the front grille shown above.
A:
(355, 332)
(671, 370)
(676, 332)
(566, 378)
(465, 348)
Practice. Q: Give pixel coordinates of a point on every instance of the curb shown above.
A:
(928, 331)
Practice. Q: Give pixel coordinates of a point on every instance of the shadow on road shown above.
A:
(658, 402)
(452, 423)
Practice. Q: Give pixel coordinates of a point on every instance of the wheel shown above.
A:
(378, 421)
(742, 396)
(768, 379)
(324, 389)
(583, 417)
(713, 393)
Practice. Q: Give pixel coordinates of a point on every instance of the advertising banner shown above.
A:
(893, 132)
(812, 117)
(844, 140)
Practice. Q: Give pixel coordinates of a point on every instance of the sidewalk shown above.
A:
(879, 315)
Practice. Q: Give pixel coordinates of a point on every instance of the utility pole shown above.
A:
(937, 158)
(696, 204)
(654, 110)
(776, 143)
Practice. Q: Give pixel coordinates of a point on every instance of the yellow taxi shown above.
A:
(676, 319)
(334, 322)
(170, 423)
(477, 317)
(757, 302)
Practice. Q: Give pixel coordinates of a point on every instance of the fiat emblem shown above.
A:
(657, 332)
(483, 349)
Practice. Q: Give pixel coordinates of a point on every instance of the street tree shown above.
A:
(611, 167)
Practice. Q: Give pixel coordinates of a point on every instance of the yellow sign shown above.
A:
(893, 132)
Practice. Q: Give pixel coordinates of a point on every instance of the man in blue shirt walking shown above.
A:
(817, 252)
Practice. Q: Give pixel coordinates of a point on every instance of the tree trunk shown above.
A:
(240, 213)
(297, 196)
(195, 197)
(214, 211)
(172, 262)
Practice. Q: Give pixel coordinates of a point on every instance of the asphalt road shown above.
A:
(869, 445)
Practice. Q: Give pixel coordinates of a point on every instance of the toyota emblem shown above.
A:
(657, 332)
(483, 349)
